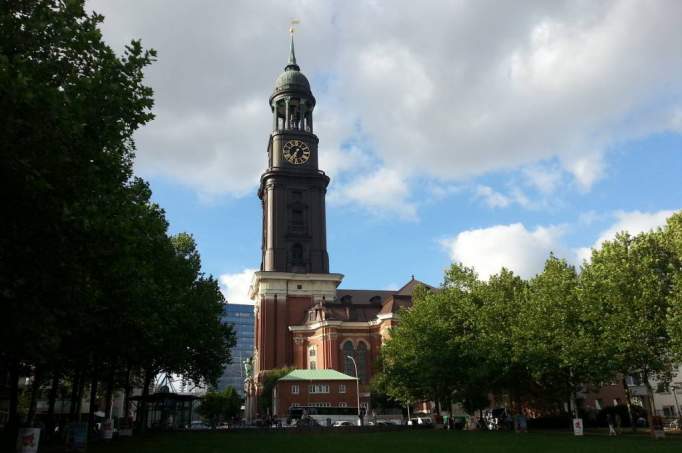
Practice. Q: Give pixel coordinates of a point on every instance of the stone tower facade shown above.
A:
(294, 272)
(293, 189)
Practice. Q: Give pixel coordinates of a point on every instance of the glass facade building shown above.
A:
(241, 318)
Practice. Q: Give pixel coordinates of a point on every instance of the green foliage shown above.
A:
(559, 344)
(627, 287)
(672, 236)
(540, 341)
(218, 407)
(267, 386)
(429, 355)
(502, 299)
(90, 280)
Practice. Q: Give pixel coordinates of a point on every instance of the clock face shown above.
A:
(296, 152)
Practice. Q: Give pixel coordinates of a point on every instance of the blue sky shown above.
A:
(479, 132)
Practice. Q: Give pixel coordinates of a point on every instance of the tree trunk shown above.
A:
(633, 422)
(652, 405)
(126, 399)
(93, 406)
(142, 407)
(75, 385)
(33, 401)
(109, 395)
(79, 398)
(52, 399)
(12, 427)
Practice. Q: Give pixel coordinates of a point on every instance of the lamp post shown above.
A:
(357, 386)
(677, 405)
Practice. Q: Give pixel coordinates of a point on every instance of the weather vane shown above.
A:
(292, 24)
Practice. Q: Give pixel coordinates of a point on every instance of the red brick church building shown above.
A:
(302, 320)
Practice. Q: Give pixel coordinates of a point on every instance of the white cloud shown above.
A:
(676, 120)
(439, 190)
(544, 178)
(583, 254)
(525, 251)
(383, 191)
(512, 246)
(458, 90)
(198, 149)
(494, 199)
(586, 169)
(634, 222)
(589, 217)
(235, 287)
(491, 198)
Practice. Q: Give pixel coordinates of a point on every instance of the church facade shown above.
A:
(302, 320)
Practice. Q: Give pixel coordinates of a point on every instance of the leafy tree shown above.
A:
(218, 407)
(267, 386)
(431, 353)
(70, 107)
(627, 286)
(555, 339)
(93, 288)
(672, 237)
(502, 299)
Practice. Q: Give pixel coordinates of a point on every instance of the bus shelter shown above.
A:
(167, 410)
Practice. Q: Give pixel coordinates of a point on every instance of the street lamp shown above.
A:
(357, 386)
(677, 405)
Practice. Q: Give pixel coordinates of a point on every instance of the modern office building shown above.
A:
(241, 318)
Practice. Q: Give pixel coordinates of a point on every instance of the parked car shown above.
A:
(381, 423)
(342, 423)
(199, 426)
(420, 421)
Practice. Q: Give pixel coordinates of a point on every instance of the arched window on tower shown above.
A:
(297, 219)
(361, 358)
(348, 350)
(297, 254)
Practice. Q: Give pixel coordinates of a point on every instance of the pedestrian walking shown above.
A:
(619, 422)
(610, 422)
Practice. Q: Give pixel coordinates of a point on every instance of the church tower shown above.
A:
(294, 273)
(293, 188)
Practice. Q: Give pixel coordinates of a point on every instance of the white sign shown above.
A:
(28, 439)
(578, 426)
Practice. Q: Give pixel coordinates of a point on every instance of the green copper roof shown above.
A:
(316, 375)
(293, 80)
(292, 54)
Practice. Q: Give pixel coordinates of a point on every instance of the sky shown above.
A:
(482, 132)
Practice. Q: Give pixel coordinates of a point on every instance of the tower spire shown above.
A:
(292, 55)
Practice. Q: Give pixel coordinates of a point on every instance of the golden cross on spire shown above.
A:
(292, 25)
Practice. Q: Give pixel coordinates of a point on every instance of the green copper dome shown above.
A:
(292, 79)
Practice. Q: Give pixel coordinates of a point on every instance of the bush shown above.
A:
(621, 410)
(562, 421)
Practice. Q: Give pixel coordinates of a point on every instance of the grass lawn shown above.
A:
(405, 441)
